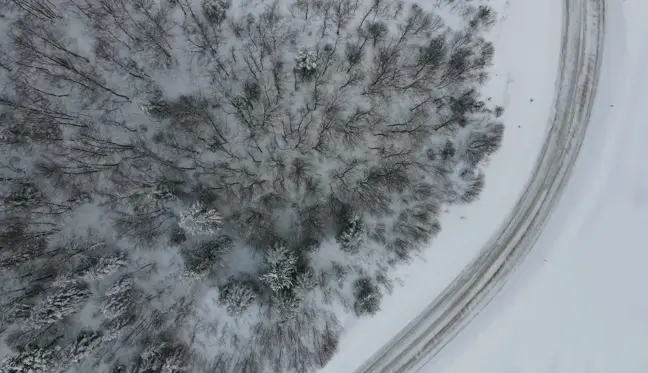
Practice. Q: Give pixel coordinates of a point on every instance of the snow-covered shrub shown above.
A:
(216, 10)
(200, 220)
(237, 296)
(280, 268)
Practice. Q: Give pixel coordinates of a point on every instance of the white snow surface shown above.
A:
(578, 302)
(527, 47)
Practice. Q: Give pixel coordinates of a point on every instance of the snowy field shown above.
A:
(577, 303)
(524, 84)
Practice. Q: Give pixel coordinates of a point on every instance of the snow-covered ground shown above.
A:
(524, 84)
(578, 302)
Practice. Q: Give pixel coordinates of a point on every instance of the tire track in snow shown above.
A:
(482, 279)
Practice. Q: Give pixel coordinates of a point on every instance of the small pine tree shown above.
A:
(368, 297)
(352, 236)
(280, 264)
(237, 296)
(198, 220)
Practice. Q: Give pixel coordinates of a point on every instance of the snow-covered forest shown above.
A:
(207, 185)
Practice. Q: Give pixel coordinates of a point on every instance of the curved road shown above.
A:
(481, 280)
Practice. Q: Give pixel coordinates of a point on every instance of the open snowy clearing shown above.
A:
(576, 304)
(524, 84)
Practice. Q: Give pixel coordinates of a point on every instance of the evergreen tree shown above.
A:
(199, 261)
(352, 236)
(305, 282)
(237, 296)
(280, 268)
(199, 220)
(368, 297)
(306, 64)
(286, 303)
